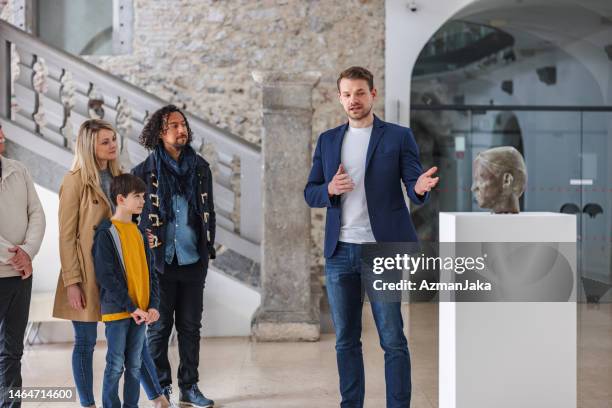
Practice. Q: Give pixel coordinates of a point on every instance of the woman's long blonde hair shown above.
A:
(85, 151)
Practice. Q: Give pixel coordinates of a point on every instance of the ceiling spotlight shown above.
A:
(412, 6)
(547, 75)
(508, 87)
(608, 50)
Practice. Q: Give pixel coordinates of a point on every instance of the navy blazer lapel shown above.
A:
(338, 146)
(378, 128)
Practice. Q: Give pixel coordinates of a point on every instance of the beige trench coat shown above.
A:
(81, 208)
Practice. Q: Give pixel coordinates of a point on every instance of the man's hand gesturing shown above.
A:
(341, 183)
(426, 182)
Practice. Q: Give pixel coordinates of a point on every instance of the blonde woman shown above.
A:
(84, 203)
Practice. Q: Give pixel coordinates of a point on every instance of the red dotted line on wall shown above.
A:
(593, 238)
(552, 189)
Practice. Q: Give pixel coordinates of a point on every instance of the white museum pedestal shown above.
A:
(508, 354)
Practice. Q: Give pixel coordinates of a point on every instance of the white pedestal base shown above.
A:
(508, 354)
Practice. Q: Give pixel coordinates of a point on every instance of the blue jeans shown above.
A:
(125, 342)
(85, 334)
(345, 293)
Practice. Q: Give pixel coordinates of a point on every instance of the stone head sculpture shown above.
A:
(499, 180)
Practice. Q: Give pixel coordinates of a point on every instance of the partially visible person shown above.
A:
(22, 227)
(129, 294)
(84, 201)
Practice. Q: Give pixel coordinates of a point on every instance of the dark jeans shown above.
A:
(181, 291)
(125, 341)
(15, 296)
(85, 335)
(344, 290)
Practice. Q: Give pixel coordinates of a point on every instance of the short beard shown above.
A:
(360, 117)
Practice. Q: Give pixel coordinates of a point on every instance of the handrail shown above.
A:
(112, 83)
(54, 92)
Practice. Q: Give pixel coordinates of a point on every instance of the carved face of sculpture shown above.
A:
(485, 186)
(499, 179)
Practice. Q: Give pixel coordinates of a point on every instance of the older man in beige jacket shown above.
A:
(22, 226)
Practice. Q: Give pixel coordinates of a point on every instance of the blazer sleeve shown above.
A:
(69, 203)
(315, 192)
(410, 167)
(106, 274)
(36, 219)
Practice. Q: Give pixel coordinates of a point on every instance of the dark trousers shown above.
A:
(15, 296)
(344, 290)
(181, 291)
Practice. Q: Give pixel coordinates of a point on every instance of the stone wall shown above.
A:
(200, 53)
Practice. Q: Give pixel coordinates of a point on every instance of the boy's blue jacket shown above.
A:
(110, 271)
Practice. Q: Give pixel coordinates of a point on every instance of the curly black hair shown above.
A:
(157, 124)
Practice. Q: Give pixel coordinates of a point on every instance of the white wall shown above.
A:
(575, 84)
(46, 264)
(406, 34)
(228, 304)
(72, 24)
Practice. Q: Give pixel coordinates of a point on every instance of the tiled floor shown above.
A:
(240, 374)
(595, 356)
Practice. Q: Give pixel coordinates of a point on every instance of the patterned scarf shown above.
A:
(176, 178)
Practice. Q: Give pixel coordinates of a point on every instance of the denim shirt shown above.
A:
(180, 237)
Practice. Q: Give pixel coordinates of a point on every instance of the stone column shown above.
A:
(289, 310)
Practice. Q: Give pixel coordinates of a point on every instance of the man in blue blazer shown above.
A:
(356, 174)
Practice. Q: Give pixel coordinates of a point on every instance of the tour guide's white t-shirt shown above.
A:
(355, 218)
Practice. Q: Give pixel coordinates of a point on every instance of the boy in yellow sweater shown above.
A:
(129, 294)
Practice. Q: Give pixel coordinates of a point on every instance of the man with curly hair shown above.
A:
(179, 216)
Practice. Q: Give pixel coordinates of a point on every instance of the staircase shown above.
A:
(46, 93)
